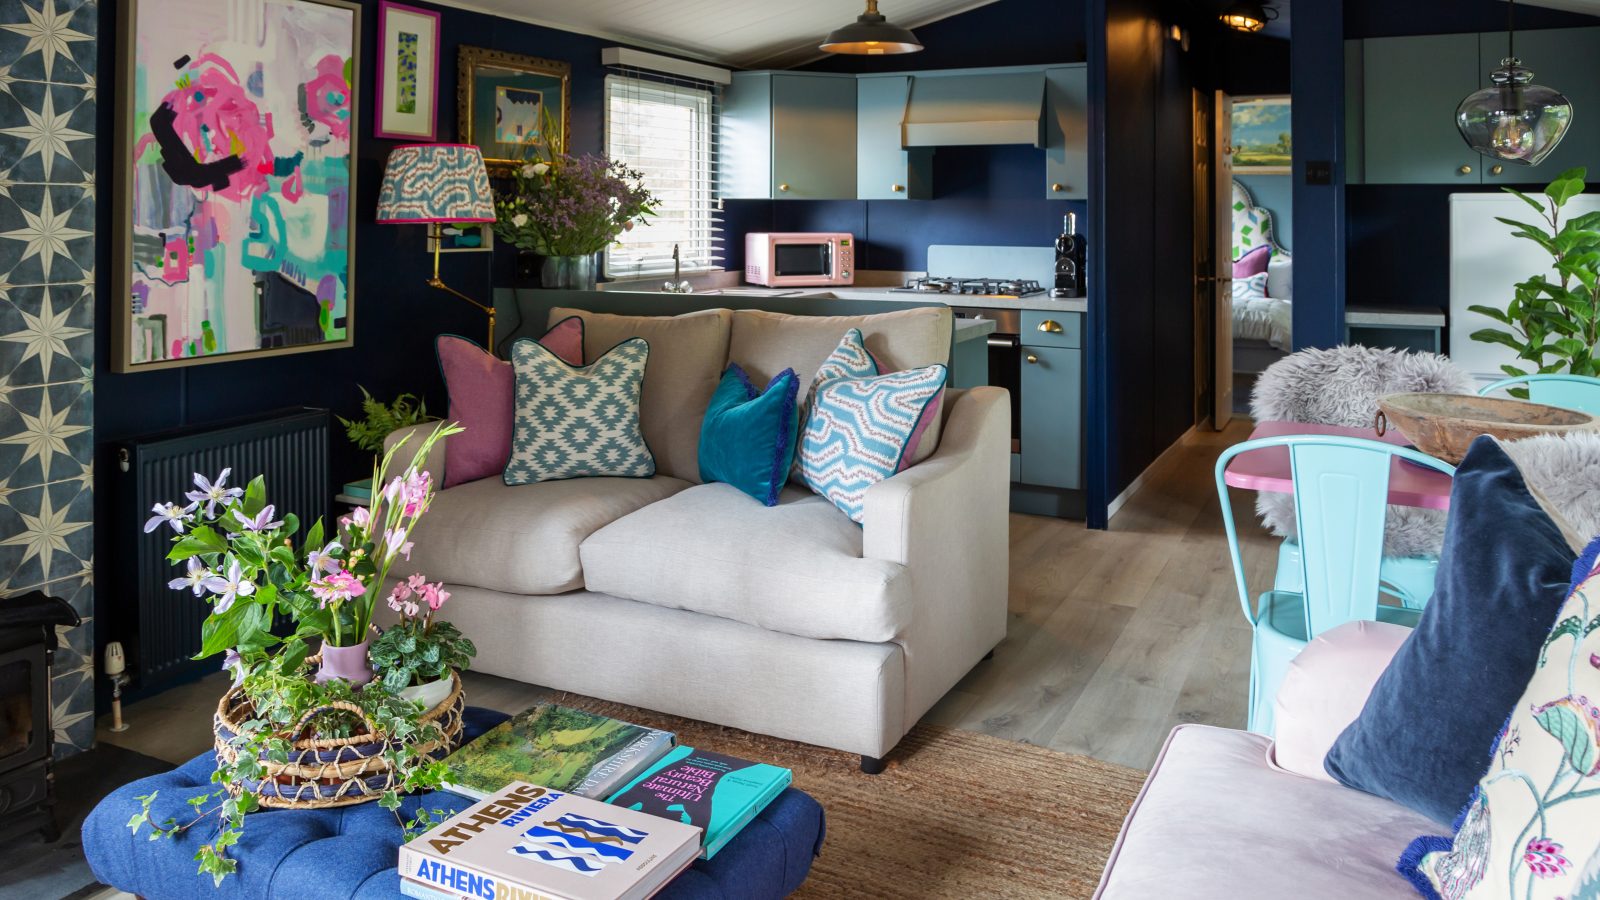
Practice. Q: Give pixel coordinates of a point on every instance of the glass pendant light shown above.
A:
(871, 35)
(1516, 120)
(1248, 17)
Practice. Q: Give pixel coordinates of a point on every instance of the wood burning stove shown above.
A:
(27, 649)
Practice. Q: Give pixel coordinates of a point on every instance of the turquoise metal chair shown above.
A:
(1341, 491)
(1578, 392)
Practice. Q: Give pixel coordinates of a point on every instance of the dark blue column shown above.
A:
(1317, 83)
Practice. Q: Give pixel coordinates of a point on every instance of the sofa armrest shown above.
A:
(1326, 687)
(414, 435)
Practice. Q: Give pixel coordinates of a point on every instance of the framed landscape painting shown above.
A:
(503, 99)
(1262, 139)
(236, 141)
(408, 73)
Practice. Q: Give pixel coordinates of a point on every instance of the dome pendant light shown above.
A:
(1516, 120)
(871, 35)
(1246, 16)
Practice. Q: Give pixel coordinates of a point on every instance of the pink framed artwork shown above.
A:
(408, 73)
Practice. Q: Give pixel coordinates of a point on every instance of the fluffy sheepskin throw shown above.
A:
(1563, 470)
(1341, 386)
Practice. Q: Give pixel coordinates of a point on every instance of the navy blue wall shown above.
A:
(982, 195)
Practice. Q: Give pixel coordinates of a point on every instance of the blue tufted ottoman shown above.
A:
(352, 852)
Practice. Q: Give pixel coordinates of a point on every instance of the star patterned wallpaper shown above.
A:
(47, 202)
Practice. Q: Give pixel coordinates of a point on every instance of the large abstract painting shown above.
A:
(239, 135)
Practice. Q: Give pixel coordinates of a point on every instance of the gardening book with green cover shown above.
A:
(559, 748)
(719, 794)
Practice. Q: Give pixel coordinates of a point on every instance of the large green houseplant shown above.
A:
(1553, 325)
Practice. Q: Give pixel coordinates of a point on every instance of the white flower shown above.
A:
(528, 171)
(540, 168)
(519, 220)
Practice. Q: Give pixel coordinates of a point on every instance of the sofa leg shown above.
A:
(872, 765)
(988, 656)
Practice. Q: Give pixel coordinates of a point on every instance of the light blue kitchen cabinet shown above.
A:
(1567, 59)
(1051, 448)
(789, 136)
(1411, 87)
(885, 169)
(1066, 152)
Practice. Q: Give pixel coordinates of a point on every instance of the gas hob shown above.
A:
(994, 288)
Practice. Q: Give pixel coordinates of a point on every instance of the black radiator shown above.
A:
(160, 627)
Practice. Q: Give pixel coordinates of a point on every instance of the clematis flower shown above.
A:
(336, 588)
(194, 577)
(229, 586)
(322, 561)
(231, 660)
(212, 493)
(169, 514)
(262, 521)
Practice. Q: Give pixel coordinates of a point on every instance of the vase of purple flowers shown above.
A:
(571, 273)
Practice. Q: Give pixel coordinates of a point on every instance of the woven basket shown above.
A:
(326, 772)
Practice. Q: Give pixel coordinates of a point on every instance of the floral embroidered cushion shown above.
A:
(860, 430)
(578, 421)
(481, 389)
(1532, 828)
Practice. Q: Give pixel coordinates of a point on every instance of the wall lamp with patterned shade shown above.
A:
(436, 185)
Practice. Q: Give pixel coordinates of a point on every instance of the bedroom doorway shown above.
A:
(1213, 264)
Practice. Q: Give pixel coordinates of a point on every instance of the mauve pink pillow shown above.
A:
(1252, 263)
(482, 393)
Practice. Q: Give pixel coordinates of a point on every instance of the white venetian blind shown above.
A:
(665, 126)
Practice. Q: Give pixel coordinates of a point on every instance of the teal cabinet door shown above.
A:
(1412, 86)
(1066, 152)
(885, 170)
(1567, 59)
(744, 138)
(1052, 417)
(813, 137)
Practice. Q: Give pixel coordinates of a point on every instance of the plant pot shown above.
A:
(349, 663)
(430, 694)
(571, 273)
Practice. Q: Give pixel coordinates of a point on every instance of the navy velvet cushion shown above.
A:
(748, 436)
(1422, 738)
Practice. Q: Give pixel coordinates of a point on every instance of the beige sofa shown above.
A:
(696, 600)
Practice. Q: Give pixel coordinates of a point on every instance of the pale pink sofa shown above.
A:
(1230, 814)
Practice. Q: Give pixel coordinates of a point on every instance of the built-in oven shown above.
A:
(1005, 358)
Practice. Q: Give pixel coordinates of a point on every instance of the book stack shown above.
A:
(540, 832)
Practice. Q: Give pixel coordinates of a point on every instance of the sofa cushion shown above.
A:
(749, 435)
(766, 343)
(578, 421)
(1217, 821)
(794, 568)
(687, 356)
(1325, 688)
(523, 539)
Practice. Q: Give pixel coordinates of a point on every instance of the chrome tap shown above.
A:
(677, 285)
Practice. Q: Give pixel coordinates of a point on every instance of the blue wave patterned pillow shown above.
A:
(859, 429)
(578, 421)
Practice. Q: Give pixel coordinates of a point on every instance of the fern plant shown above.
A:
(1553, 325)
(382, 420)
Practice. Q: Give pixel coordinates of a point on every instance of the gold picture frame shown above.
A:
(502, 99)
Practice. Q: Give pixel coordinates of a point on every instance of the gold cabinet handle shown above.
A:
(1032, 360)
(1057, 187)
(783, 187)
(1464, 170)
(1496, 170)
(1050, 326)
(897, 188)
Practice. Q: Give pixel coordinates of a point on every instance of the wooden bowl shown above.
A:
(1444, 425)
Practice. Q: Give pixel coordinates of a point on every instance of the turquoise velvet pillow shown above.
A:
(748, 437)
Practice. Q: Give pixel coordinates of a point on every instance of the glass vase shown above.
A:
(570, 273)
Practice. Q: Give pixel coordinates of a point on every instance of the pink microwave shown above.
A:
(799, 258)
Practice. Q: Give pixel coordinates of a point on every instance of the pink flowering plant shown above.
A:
(419, 648)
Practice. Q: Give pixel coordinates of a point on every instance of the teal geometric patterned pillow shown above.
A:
(578, 421)
(860, 429)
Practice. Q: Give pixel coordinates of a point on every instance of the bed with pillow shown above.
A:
(1263, 280)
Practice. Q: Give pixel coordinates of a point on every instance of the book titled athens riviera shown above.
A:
(526, 841)
(718, 793)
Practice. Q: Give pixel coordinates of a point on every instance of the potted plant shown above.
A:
(415, 658)
(298, 729)
(1553, 325)
(569, 208)
(378, 421)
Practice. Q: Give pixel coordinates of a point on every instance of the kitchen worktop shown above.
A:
(1039, 302)
(971, 329)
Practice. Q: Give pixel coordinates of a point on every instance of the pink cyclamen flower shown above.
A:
(336, 587)
(1545, 859)
(411, 609)
(435, 595)
(169, 514)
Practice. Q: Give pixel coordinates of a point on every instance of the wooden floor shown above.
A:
(1115, 636)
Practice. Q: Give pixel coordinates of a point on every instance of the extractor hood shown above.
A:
(974, 108)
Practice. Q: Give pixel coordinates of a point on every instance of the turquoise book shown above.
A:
(719, 794)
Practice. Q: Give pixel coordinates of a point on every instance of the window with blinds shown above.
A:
(666, 128)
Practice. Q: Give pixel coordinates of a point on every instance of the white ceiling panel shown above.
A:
(763, 34)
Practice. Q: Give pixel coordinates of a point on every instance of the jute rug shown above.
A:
(956, 814)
